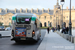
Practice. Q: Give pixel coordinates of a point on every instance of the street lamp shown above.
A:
(70, 32)
(56, 19)
(62, 3)
(57, 16)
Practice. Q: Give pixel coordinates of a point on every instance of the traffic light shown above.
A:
(62, 0)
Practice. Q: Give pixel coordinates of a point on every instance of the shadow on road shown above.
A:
(27, 43)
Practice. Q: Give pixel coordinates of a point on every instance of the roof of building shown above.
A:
(28, 11)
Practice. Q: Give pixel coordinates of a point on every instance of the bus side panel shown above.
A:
(13, 28)
(29, 32)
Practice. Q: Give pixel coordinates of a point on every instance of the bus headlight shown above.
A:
(28, 27)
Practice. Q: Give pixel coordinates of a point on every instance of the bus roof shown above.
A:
(25, 14)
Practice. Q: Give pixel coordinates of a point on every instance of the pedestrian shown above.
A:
(64, 29)
(48, 30)
(53, 29)
(67, 29)
(58, 27)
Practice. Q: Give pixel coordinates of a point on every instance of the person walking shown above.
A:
(53, 29)
(58, 27)
(48, 30)
(64, 29)
(67, 29)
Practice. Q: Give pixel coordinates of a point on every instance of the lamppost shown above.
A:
(56, 19)
(62, 3)
(57, 16)
(70, 32)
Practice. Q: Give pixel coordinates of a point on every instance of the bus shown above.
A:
(25, 26)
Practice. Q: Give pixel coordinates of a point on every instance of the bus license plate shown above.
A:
(23, 38)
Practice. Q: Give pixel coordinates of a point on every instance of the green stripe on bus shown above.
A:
(33, 18)
(13, 18)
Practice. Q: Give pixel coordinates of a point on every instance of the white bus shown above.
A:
(25, 26)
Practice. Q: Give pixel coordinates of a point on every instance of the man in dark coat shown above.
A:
(48, 29)
(53, 29)
(67, 29)
(58, 27)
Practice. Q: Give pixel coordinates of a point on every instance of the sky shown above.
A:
(12, 4)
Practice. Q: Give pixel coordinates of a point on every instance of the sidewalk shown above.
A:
(53, 41)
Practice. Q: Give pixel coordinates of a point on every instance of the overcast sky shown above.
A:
(12, 4)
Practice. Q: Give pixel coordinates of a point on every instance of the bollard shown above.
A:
(0, 36)
(70, 38)
(74, 40)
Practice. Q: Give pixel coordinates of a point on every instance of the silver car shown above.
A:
(8, 28)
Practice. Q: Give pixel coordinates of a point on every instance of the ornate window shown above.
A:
(45, 17)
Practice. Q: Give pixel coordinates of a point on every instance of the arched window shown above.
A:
(45, 24)
(40, 24)
(50, 24)
(36, 23)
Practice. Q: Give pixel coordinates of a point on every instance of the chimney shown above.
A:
(43, 10)
(21, 10)
(0, 10)
(6, 10)
(73, 7)
(37, 10)
(32, 10)
(26, 10)
(15, 10)
(48, 10)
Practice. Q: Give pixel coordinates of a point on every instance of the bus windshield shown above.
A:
(23, 20)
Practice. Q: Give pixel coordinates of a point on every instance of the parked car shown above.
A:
(2, 28)
(8, 28)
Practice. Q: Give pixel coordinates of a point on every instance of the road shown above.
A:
(7, 44)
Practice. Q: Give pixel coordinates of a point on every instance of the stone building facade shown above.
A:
(47, 17)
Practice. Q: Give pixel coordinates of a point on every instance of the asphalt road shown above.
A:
(7, 44)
